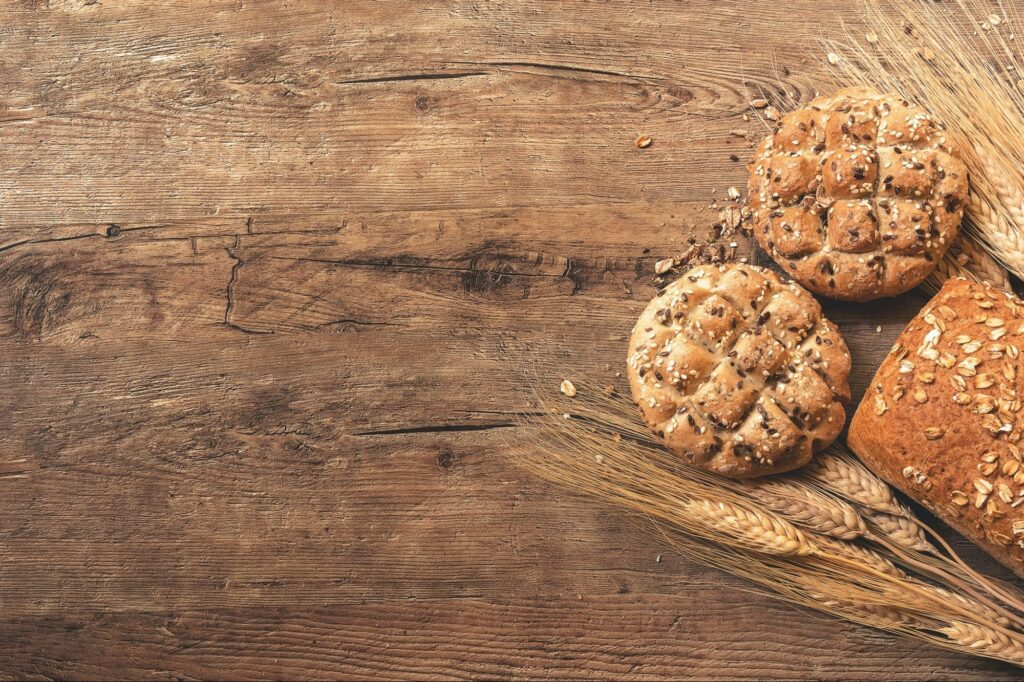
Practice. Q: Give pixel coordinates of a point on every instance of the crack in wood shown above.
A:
(229, 308)
(109, 230)
(500, 65)
(562, 67)
(8, 247)
(437, 428)
(361, 323)
(447, 75)
(389, 263)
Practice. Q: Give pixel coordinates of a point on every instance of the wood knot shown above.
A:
(446, 459)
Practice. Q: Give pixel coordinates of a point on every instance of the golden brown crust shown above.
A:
(738, 372)
(940, 420)
(858, 195)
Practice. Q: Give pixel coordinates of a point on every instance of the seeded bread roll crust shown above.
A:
(738, 372)
(858, 195)
(941, 419)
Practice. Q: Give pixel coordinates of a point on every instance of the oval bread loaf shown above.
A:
(941, 420)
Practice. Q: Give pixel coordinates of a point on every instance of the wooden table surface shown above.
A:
(271, 275)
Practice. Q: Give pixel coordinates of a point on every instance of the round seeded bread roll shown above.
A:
(858, 195)
(738, 372)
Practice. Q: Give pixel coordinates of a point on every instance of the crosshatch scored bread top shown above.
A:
(858, 195)
(941, 420)
(738, 372)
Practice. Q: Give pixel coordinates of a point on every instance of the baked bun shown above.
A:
(738, 372)
(858, 195)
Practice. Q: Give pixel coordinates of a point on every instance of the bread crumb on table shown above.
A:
(664, 265)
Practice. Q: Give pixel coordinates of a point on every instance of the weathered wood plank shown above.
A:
(126, 113)
(565, 637)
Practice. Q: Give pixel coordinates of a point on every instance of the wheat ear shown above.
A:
(967, 258)
(984, 640)
(848, 478)
(850, 550)
(996, 232)
(901, 530)
(981, 264)
(750, 528)
(970, 603)
(867, 612)
(809, 508)
(1009, 193)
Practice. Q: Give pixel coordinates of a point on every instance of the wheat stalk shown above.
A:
(1007, 191)
(994, 228)
(758, 536)
(608, 414)
(809, 508)
(896, 606)
(980, 264)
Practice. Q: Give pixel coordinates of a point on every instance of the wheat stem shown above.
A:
(953, 563)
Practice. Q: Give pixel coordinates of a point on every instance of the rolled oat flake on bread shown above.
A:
(942, 418)
(738, 372)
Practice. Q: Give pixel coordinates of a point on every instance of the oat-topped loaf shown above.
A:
(858, 195)
(942, 421)
(738, 372)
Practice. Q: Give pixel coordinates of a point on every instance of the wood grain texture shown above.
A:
(275, 274)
